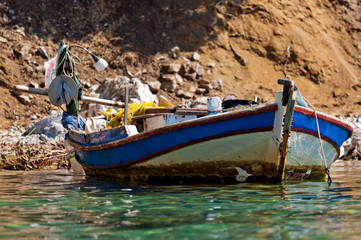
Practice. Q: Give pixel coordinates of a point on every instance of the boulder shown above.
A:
(168, 78)
(24, 99)
(200, 90)
(171, 68)
(154, 86)
(47, 129)
(207, 87)
(182, 94)
(114, 89)
(217, 84)
(203, 81)
(169, 86)
(192, 89)
(351, 149)
(197, 68)
(196, 56)
(178, 79)
(185, 67)
(39, 69)
(142, 91)
(191, 76)
(199, 103)
(175, 51)
(3, 40)
(24, 51)
(42, 52)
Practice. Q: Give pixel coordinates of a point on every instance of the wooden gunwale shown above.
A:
(265, 129)
(326, 118)
(174, 127)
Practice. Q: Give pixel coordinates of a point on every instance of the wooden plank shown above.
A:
(22, 88)
(286, 129)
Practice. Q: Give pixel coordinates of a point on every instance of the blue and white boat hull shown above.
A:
(304, 144)
(209, 148)
(233, 146)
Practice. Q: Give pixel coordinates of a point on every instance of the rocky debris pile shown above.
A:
(114, 89)
(11, 135)
(183, 77)
(48, 129)
(51, 130)
(186, 77)
(351, 149)
(236, 47)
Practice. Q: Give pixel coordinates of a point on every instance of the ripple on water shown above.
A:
(61, 205)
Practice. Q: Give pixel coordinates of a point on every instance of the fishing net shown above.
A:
(116, 119)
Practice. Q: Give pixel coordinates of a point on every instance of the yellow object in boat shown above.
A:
(163, 102)
(134, 109)
(109, 114)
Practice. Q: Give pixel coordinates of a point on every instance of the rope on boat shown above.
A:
(288, 54)
(329, 180)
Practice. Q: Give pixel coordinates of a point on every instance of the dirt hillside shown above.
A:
(247, 44)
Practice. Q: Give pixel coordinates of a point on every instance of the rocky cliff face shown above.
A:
(243, 45)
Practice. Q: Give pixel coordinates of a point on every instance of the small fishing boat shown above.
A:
(247, 143)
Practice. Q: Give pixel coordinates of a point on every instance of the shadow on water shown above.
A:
(144, 26)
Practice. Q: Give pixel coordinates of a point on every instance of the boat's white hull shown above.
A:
(304, 153)
(249, 152)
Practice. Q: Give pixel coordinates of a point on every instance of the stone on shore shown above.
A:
(114, 89)
(47, 129)
(351, 149)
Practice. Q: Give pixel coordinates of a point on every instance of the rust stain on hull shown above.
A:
(217, 172)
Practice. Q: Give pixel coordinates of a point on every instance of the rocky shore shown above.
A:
(42, 144)
(183, 50)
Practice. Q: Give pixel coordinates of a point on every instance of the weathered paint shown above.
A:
(310, 156)
(102, 137)
(165, 120)
(233, 139)
(330, 127)
(143, 149)
(212, 148)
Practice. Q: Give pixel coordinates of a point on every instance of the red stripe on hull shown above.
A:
(324, 117)
(265, 129)
(174, 127)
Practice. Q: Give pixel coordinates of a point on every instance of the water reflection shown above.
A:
(60, 205)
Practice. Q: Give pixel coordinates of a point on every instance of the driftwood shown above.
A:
(22, 88)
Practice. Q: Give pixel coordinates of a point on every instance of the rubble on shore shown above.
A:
(351, 149)
(41, 145)
(17, 155)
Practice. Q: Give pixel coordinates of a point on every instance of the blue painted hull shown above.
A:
(197, 144)
(171, 140)
(304, 146)
(212, 148)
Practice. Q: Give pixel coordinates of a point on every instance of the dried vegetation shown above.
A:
(20, 156)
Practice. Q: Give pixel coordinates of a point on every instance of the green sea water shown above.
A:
(62, 205)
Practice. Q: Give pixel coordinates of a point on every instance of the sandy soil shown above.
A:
(249, 45)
